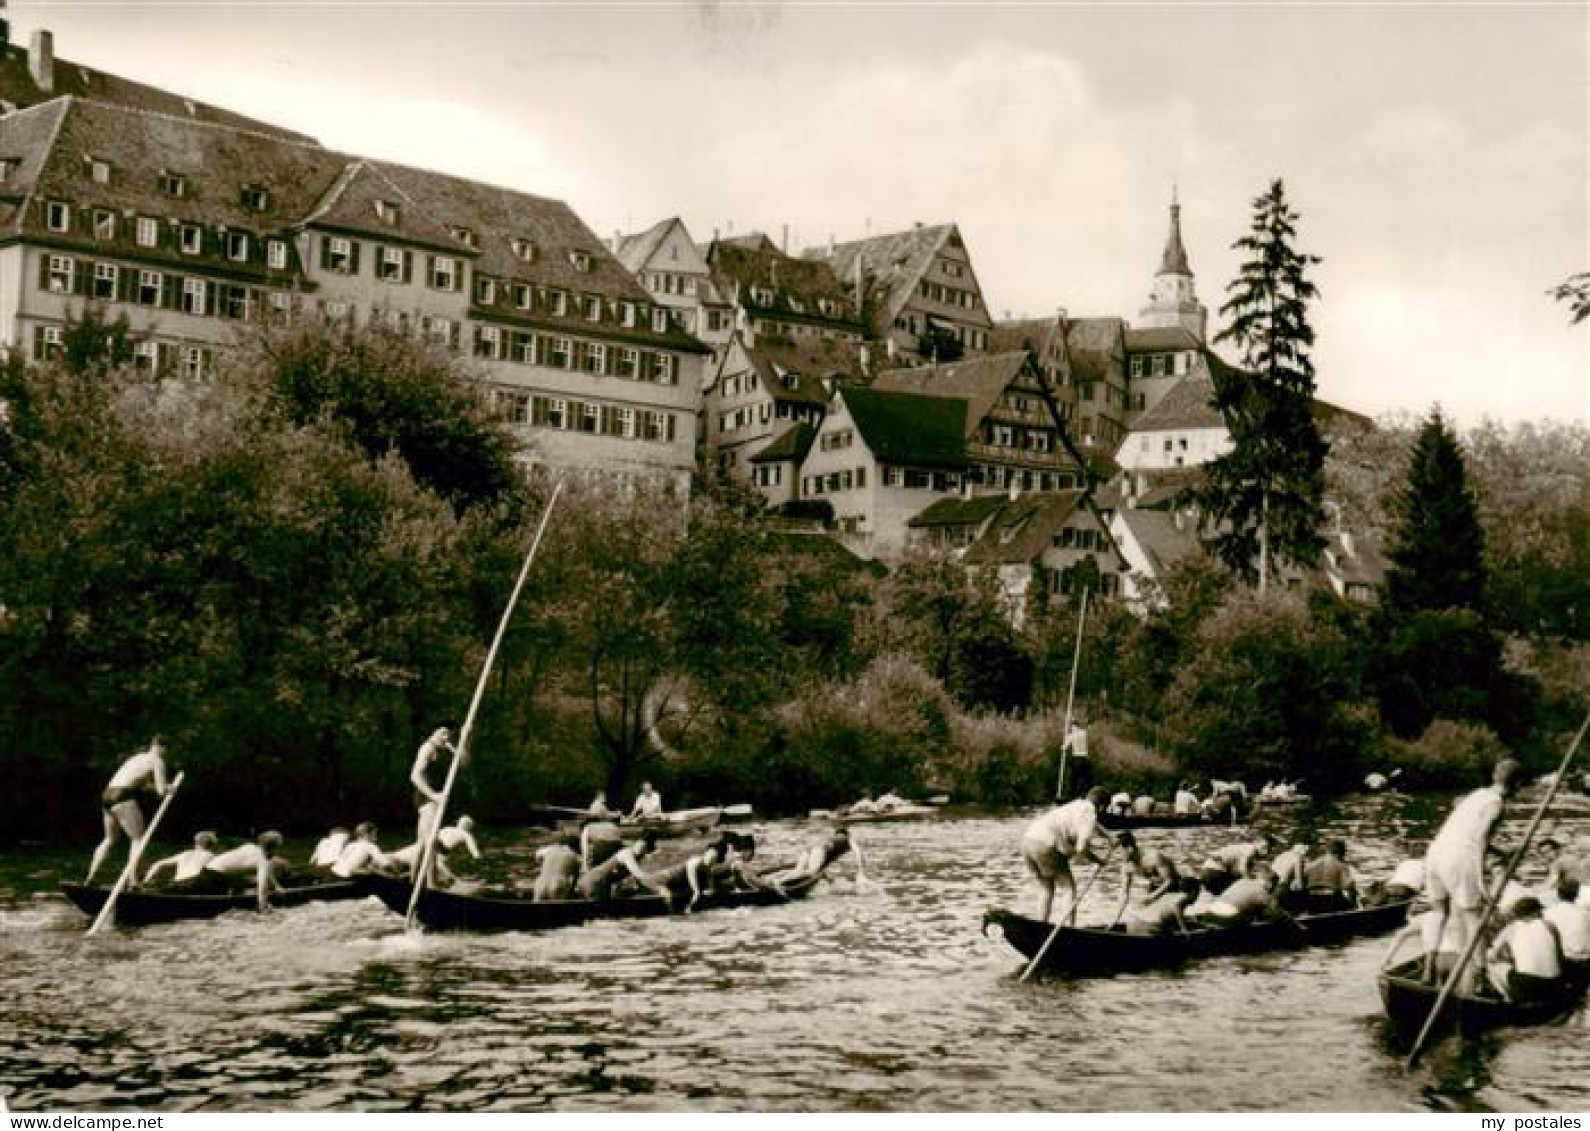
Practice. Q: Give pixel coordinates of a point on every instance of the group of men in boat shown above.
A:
(1226, 800)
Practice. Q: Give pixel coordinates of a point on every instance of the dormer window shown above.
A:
(191, 239)
(466, 236)
(173, 184)
(592, 307)
(256, 198)
(8, 168)
(659, 320)
(57, 215)
(627, 313)
(558, 302)
(387, 212)
(797, 305)
(104, 224)
(580, 260)
(762, 296)
(237, 246)
(485, 290)
(98, 171)
(276, 255)
(524, 249)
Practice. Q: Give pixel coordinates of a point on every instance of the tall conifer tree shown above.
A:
(1437, 548)
(1264, 497)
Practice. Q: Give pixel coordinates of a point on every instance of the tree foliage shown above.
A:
(1266, 492)
(1437, 549)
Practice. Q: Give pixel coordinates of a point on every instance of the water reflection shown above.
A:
(865, 997)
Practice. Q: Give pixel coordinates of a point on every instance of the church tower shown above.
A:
(1172, 301)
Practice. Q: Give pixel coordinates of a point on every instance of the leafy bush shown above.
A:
(1449, 755)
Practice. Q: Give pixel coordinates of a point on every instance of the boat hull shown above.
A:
(451, 911)
(1085, 951)
(1408, 1002)
(142, 908)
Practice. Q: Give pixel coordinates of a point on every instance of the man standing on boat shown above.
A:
(1080, 768)
(1454, 866)
(142, 775)
(427, 798)
(1055, 840)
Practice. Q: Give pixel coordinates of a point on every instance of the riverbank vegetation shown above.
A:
(292, 570)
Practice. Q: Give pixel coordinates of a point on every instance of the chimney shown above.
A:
(832, 246)
(41, 60)
(783, 240)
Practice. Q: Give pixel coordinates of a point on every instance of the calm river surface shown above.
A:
(882, 996)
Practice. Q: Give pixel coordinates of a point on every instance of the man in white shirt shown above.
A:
(1052, 842)
(1529, 953)
(648, 804)
(1572, 921)
(1454, 866)
(1186, 801)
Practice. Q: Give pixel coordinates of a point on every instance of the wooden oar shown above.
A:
(135, 853)
(1493, 898)
(1065, 738)
(428, 850)
(1071, 915)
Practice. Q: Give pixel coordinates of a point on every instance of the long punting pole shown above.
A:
(1071, 694)
(1490, 903)
(134, 854)
(1071, 914)
(428, 849)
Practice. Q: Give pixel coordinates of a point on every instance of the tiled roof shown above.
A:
(909, 430)
(790, 445)
(1094, 345)
(1162, 540)
(1023, 529)
(351, 205)
(74, 79)
(1160, 339)
(958, 511)
(634, 250)
(1188, 404)
(892, 263)
(1022, 334)
(796, 371)
(799, 286)
(978, 381)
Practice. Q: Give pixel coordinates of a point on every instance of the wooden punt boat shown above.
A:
(1408, 1002)
(681, 822)
(141, 908)
(1082, 951)
(1122, 821)
(453, 911)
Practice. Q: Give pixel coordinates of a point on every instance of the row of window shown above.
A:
(189, 361)
(769, 475)
(514, 406)
(163, 290)
(949, 296)
(554, 351)
(1160, 364)
(837, 440)
(1038, 440)
(106, 224)
(746, 416)
(813, 486)
(793, 330)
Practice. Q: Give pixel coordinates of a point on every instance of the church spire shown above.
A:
(1174, 261)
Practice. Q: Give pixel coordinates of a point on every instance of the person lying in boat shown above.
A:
(1224, 866)
(649, 803)
(329, 848)
(362, 854)
(890, 801)
(453, 842)
(1571, 919)
(816, 859)
(1056, 840)
(599, 842)
(1330, 882)
(1527, 956)
(255, 864)
(560, 870)
(185, 866)
(1160, 916)
(602, 881)
(1152, 866)
(1405, 882)
(1244, 900)
(141, 777)
(1186, 803)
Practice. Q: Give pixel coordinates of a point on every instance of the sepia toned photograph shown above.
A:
(662, 557)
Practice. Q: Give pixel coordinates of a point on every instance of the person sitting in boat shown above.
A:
(600, 810)
(1330, 882)
(329, 848)
(560, 870)
(1245, 899)
(362, 854)
(1454, 865)
(1288, 866)
(1143, 805)
(1151, 865)
(1405, 882)
(1120, 805)
(1224, 866)
(1186, 800)
(257, 862)
(599, 842)
(889, 802)
(1527, 955)
(1558, 864)
(1056, 840)
(1571, 919)
(185, 866)
(1159, 916)
(648, 804)
(142, 776)
(602, 881)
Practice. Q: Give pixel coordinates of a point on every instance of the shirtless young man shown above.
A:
(427, 798)
(329, 848)
(362, 854)
(258, 859)
(560, 870)
(185, 866)
(1057, 839)
(1151, 865)
(599, 882)
(142, 775)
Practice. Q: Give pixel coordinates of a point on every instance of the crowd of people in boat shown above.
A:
(606, 860)
(1541, 930)
(1226, 801)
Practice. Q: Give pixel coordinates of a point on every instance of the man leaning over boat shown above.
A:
(1056, 840)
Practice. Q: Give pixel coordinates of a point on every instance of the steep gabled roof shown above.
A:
(352, 203)
(1160, 339)
(957, 512)
(909, 430)
(795, 371)
(791, 445)
(893, 263)
(1188, 404)
(1163, 541)
(799, 287)
(17, 86)
(634, 250)
(978, 381)
(1024, 529)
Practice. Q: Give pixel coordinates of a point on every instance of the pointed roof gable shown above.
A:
(634, 250)
(354, 203)
(791, 445)
(1174, 260)
(1188, 404)
(894, 263)
(1024, 529)
(800, 288)
(978, 381)
(1163, 538)
(909, 430)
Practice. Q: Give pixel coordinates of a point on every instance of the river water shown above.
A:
(874, 996)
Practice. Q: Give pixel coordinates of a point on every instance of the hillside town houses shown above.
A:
(863, 384)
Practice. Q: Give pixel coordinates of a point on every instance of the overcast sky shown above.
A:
(1437, 153)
